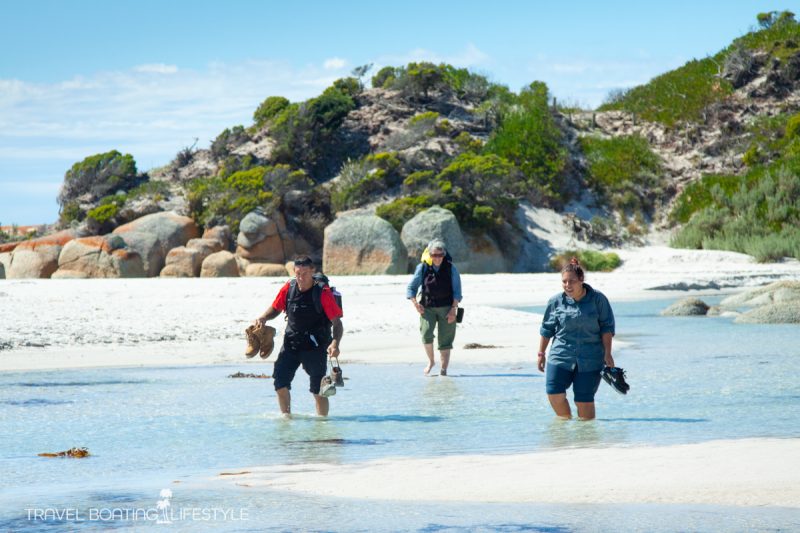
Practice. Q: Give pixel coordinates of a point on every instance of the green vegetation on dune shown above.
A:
(227, 198)
(590, 260)
(529, 137)
(625, 172)
(757, 213)
(684, 94)
(679, 95)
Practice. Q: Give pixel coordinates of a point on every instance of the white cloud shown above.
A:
(150, 111)
(334, 63)
(156, 68)
(153, 116)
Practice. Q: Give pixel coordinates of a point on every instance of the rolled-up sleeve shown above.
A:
(416, 281)
(548, 327)
(606, 315)
(456, 282)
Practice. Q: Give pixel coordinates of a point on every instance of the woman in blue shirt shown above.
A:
(581, 324)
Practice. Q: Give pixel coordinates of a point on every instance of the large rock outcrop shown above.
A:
(186, 261)
(687, 307)
(220, 265)
(485, 256)
(221, 234)
(435, 223)
(38, 258)
(777, 292)
(265, 239)
(363, 244)
(5, 262)
(105, 256)
(153, 236)
(776, 303)
(787, 312)
(266, 270)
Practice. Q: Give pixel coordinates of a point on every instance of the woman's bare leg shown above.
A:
(429, 353)
(444, 355)
(585, 410)
(560, 405)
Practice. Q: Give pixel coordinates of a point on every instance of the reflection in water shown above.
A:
(440, 395)
(307, 440)
(576, 433)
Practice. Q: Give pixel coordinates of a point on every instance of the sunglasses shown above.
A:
(437, 255)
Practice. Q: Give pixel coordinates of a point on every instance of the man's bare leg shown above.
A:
(429, 353)
(560, 405)
(322, 405)
(284, 400)
(585, 410)
(445, 360)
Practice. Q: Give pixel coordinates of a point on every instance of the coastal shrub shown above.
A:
(98, 175)
(624, 171)
(268, 109)
(529, 137)
(227, 140)
(426, 119)
(401, 210)
(419, 179)
(771, 138)
(793, 126)
(698, 195)
(682, 94)
(362, 180)
(306, 135)
(779, 37)
(421, 80)
(590, 260)
(757, 214)
(152, 188)
(349, 86)
(103, 213)
(384, 77)
(70, 212)
(227, 198)
(468, 143)
(685, 93)
(489, 182)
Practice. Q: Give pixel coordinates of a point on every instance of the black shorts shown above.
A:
(314, 363)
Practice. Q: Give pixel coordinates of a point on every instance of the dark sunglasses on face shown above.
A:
(437, 255)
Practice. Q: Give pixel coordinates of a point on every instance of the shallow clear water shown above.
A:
(692, 379)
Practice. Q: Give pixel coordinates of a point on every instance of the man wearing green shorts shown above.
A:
(441, 292)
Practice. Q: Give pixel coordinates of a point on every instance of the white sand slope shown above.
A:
(749, 472)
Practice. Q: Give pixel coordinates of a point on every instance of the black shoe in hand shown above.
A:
(615, 376)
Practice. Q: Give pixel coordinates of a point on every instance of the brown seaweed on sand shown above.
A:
(72, 452)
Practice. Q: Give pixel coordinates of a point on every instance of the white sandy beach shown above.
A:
(50, 324)
(143, 322)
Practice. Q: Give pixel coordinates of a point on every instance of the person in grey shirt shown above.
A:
(441, 293)
(581, 323)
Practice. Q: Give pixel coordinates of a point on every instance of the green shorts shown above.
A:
(428, 321)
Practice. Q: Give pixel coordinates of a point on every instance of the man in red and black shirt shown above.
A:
(313, 330)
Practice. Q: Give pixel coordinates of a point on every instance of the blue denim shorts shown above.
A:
(584, 384)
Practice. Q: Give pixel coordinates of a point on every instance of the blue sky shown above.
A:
(147, 77)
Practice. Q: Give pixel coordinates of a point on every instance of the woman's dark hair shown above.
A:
(574, 266)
